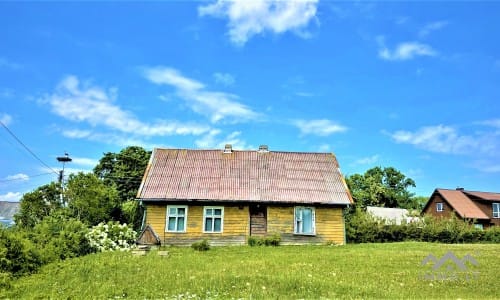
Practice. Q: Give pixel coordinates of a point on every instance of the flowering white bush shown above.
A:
(111, 236)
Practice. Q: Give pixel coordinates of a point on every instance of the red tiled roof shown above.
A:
(211, 175)
(462, 204)
(485, 195)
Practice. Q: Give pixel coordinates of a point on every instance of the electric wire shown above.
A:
(27, 149)
(28, 176)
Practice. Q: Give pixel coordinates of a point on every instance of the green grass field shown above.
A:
(285, 272)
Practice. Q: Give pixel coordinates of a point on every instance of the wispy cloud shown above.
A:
(447, 139)
(5, 119)
(404, 51)
(84, 161)
(249, 18)
(367, 160)
(218, 106)
(224, 78)
(212, 140)
(19, 176)
(8, 64)
(430, 27)
(321, 127)
(11, 197)
(95, 106)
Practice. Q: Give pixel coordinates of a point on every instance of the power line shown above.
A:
(29, 176)
(26, 147)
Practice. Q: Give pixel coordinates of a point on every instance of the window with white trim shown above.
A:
(439, 206)
(176, 218)
(213, 218)
(305, 220)
(496, 210)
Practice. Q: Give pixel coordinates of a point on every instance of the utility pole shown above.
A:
(63, 159)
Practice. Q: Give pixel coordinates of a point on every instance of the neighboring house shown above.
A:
(7, 212)
(481, 207)
(391, 215)
(226, 196)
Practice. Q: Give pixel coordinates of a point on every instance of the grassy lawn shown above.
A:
(285, 272)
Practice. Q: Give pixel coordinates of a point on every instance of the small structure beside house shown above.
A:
(391, 215)
(483, 208)
(7, 211)
(227, 196)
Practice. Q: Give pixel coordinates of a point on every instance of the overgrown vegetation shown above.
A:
(270, 240)
(359, 271)
(362, 227)
(202, 245)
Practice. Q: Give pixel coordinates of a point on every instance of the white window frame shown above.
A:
(439, 206)
(478, 226)
(496, 212)
(296, 227)
(213, 218)
(176, 216)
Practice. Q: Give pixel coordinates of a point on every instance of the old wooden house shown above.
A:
(226, 196)
(482, 208)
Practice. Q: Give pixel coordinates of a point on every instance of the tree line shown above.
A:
(106, 194)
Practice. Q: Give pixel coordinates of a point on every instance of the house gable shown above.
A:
(465, 204)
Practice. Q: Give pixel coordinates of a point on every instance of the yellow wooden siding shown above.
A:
(280, 219)
(236, 227)
(330, 224)
(234, 231)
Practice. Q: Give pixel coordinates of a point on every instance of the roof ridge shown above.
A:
(245, 150)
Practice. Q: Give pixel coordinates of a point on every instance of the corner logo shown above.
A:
(450, 267)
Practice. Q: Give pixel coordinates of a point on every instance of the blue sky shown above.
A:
(413, 85)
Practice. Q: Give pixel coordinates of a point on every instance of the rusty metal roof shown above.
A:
(462, 204)
(244, 176)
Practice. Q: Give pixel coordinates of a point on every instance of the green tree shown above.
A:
(90, 199)
(386, 187)
(38, 204)
(125, 170)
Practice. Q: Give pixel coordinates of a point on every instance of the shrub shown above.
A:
(272, 240)
(201, 245)
(361, 227)
(111, 236)
(18, 255)
(60, 237)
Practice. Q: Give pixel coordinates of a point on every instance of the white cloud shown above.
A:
(169, 76)
(249, 18)
(404, 51)
(224, 78)
(5, 119)
(324, 148)
(20, 176)
(493, 123)
(217, 106)
(95, 106)
(83, 161)
(5, 63)
(321, 127)
(211, 141)
(446, 139)
(430, 27)
(76, 133)
(11, 197)
(367, 160)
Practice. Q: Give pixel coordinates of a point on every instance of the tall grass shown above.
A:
(287, 272)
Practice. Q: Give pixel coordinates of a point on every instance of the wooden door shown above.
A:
(258, 220)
